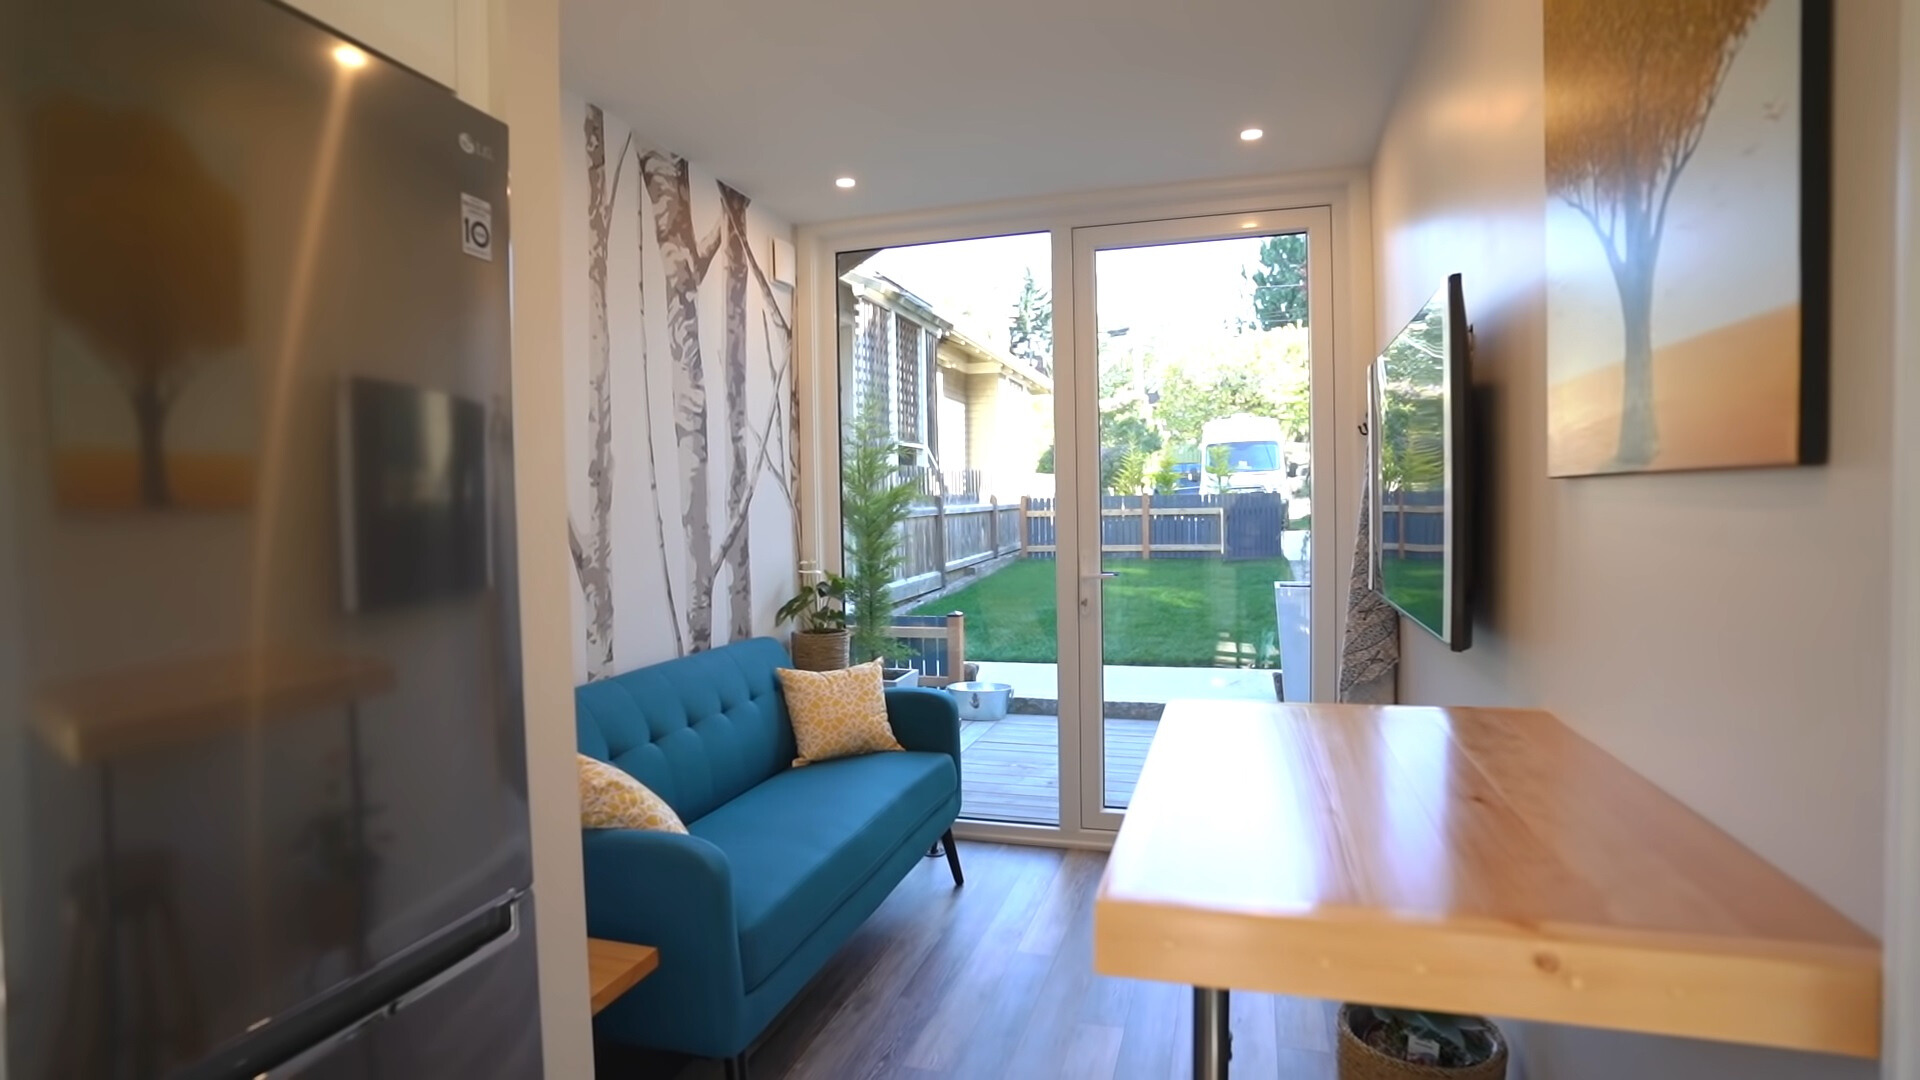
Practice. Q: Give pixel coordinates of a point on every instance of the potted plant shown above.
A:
(1378, 1043)
(875, 500)
(819, 614)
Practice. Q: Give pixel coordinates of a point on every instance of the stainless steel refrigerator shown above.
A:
(262, 784)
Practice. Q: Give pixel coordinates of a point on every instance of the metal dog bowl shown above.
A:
(982, 700)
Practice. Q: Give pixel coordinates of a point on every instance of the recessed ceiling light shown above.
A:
(1251, 134)
(1249, 224)
(844, 182)
(349, 57)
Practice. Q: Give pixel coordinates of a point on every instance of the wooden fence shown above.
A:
(933, 645)
(1140, 529)
(958, 485)
(1413, 523)
(1243, 525)
(941, 538)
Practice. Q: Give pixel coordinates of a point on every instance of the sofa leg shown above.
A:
(737, 1066)
(953, 857)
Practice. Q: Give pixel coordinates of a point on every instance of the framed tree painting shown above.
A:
(142, 256)
(1687, 165)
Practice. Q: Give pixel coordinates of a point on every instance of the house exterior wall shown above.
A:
(982, 392)
(957, 429)
(893, 354)
(1009, 428)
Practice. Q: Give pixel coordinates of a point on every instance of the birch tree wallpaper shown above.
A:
(681, 449)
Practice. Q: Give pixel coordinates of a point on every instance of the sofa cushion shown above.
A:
(610, 799)
(805, 840)
(838, 714)
(698, 730)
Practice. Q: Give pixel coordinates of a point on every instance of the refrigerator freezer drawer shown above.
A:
(478, 1018)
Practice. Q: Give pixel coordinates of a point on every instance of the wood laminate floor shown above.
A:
(995, 979)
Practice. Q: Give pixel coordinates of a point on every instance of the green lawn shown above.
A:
(1159, 612)
(1414, 585)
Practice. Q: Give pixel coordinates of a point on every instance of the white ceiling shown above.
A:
(937, 103)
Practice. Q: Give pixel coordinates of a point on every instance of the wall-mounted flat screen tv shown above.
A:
(413, 494)
(1422, 475)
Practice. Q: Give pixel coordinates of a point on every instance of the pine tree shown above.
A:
(874, 500)
(1280, 286)
(1030, 335)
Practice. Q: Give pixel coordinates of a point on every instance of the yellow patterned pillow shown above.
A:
(610, 799)
(838, 714)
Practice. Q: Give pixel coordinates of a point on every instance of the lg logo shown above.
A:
(469, 145)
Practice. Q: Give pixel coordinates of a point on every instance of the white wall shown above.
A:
(523, 78)
(445, 40)
(1901, 1054)
(1724, 633)
(649, 466)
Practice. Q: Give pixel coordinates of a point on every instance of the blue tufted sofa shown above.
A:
(780, 864)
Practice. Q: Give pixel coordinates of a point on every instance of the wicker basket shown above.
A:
(1358, 1061)
(820, 650)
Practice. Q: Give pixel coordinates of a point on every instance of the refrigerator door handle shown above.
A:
(473, 960)
(294, 1066)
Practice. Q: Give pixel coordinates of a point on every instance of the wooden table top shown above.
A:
(105, 716)
(615, 967)
(1469, 860)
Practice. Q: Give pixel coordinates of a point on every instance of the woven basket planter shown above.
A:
(1358, 1061)
(820, 650)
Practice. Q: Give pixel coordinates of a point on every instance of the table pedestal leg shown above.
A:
(1212, 1035)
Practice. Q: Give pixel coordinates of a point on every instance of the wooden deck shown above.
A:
(1012, 767)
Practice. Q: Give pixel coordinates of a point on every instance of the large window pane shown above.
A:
(1205, 487)
(946, 358)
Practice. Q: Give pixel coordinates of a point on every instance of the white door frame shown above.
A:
(1081, 379)
(1345, 196)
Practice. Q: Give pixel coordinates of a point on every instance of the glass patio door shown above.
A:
(946, 391)
(1201, 358)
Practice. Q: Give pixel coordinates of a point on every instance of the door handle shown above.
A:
(1095, 578)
